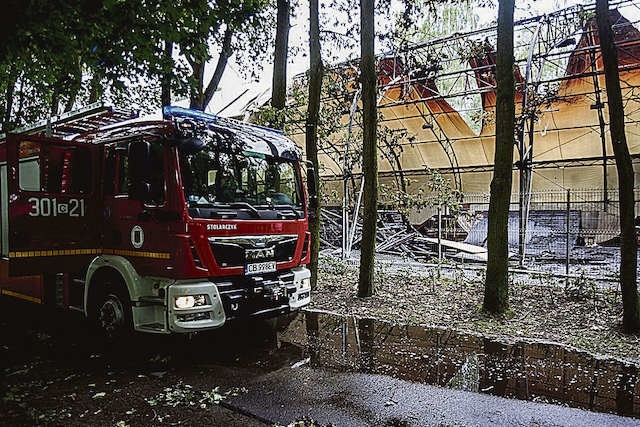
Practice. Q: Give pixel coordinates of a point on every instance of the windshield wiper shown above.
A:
(237, 205)
(200, 205)
(291, 208)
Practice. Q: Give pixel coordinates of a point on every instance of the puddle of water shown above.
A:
(538, 372)
(529, 371)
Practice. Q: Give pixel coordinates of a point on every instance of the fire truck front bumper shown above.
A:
(199, 305)
(265, 295)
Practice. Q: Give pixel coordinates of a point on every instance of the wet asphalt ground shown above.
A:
(55, 371)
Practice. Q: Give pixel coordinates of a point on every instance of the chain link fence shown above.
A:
(567, 231)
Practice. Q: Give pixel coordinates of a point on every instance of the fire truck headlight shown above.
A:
(185, 302)
(190, 301)
(305, 283)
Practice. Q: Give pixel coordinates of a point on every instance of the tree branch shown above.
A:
(225, 53)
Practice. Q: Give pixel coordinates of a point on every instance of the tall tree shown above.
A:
(496, 290)
(311, 141)
(166, 73)
(279, 82)
(368, 80)
(628, 245)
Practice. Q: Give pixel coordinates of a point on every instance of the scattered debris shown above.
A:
(184, 395)
(306, 422)
(301, 363)
(158, 374)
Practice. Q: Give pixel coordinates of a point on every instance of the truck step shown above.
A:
(152, 327)
(152, 300)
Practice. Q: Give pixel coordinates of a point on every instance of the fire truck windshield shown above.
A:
(214, 178)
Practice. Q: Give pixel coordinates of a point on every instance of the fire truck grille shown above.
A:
(239, 250)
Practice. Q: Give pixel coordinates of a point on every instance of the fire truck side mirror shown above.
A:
(140, 170)
(311, 186)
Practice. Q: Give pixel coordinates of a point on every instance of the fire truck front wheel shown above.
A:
(112, 306)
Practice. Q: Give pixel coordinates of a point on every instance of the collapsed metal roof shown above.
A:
(442, 94)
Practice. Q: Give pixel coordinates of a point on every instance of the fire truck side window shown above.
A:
(157, 176)
(122, 172)
(118, 172)
(110, 172)
(79, 173)
(54, 168)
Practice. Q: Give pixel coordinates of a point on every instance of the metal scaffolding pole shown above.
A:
(345, 175)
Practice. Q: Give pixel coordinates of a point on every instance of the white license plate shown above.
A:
(260, 267)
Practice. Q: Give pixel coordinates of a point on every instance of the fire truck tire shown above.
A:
(112, 306)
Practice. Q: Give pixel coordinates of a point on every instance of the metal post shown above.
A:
(345, 218)
(355, 219)
(599, 106)
(568, 249)
(439, 232)
(522, 229)
(525, 172)
(345, 176)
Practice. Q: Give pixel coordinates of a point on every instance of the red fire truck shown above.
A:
(176, 225)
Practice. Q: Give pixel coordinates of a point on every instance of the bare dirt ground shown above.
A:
(577, 313)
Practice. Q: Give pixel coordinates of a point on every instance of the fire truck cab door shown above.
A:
(54, 205)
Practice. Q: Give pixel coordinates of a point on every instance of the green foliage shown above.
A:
(334, 266)
(420, 22)
(580, 288)
(307, 422)
(59, 55)
(182, 394)
(447, 17)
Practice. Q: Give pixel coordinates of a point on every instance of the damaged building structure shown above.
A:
(439, 96)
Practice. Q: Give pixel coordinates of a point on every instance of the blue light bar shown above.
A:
(174, 111)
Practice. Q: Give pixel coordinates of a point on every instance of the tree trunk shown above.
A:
(8, 101)
(225, 53)
(313, 112)
(279, 83)
(76, 85)
(95, 90)
(369, 148)
(313, 332)
(197, 74)
(367, 332)
(628, 246)
(19, 109)
(55, 100)
(167, 72)
(496, 290)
